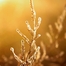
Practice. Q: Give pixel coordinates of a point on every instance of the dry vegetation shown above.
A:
(33, 57)
(38, 54)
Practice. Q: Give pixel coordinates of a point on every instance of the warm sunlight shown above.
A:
(18, 28)
(1, 1)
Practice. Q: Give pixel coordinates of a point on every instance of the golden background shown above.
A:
(14, 13)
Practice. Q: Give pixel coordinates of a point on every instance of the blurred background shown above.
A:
(14, 13)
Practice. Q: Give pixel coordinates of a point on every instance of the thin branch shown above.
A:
(22, 49)
(33, 12)
(16, 57)
(44, 51)
(21, 34)
(29, 28)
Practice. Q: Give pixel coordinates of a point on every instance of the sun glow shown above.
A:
(1, 1)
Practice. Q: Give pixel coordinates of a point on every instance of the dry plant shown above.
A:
(33, 57)
(5, 61)
(54, 37)
(59, 27)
